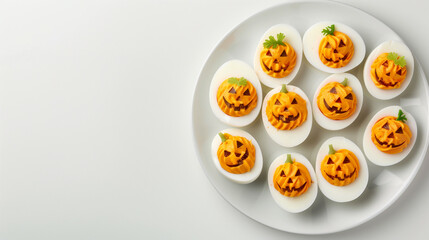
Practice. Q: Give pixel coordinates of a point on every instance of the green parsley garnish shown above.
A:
(237, 81)
(272, 42)
(401, 116)
(329, 30)
(396, 59)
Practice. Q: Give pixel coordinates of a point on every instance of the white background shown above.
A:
(95, 121)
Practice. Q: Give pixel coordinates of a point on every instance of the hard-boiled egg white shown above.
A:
(243, 178)
(293, 204)
(288, 138)
(237, 69)
(386, 47)
(313, 36)
(293, 38)
(373, 153)
(348, 192)
(331, 124)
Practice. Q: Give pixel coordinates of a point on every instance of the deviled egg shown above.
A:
(333, 47)
(341, 170)
(292, 182)
(235, 94)
(388, 70)
(237, 155)
(337, 101)
(389, 136)
(287, 115)
(278, 55)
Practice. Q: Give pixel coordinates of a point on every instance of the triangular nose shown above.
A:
(338, 168)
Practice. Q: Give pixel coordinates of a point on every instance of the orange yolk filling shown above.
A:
(236, 155)
(336, 101)
(336, 50)
(386, 74)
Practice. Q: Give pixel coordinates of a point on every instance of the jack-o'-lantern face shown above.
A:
(341, 167)
(336, 49)
(292, 179)
(236, 154)
(391, 135)
(386, 73)
(337, 101)
(236, 97)
(286, 110)
(278, 58)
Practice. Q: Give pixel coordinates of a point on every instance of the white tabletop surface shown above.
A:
(95, 121)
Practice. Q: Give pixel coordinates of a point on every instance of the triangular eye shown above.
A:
(342, 44)
(283, 54)
(346, 160)
(226, 153)
(399, 72)
(239, 144)
(269, 53)
(330, 161)
(349, 96)
(386, 64)
(289, 181)
(246, 93)
(277, 102)
(386, 126)
(232, 90)
(391, 135)
(328, 45)
(298, 173)
(399, 130)
(294, 101)
(282, 174)
(333, 90)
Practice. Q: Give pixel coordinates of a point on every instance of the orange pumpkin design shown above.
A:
(340, 168)
(236, 97)
(292, 179)
(337, 101)
(286, 110)
(388, 71)
(278, 58)
(236, 154)
(390, 134)
(336, 49)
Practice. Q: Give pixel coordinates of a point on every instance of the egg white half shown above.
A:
(387, 47)
(371, 151)
(328, 123)
(294, 39)
(288, 138)
(342, 193)
(293, 204)
(313, 36)
(234, 68)
(243, 178)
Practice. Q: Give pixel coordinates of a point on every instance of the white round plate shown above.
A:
(385, 184)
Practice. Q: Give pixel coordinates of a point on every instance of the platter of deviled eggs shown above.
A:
(311, 123)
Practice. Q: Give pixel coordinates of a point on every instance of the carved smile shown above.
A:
(342, 59)
(380, 80)
(333, 109)
(240, 161)
(286, 120)
(388, 145)
(341, 179)
(269, 69)
(242, 106)
(288, 189)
